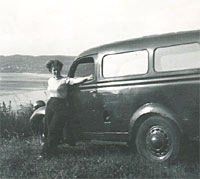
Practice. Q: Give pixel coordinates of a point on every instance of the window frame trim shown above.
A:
(173, 71)
(131, 75)
(74, 65)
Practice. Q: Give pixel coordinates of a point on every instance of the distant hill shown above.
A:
(31, 64)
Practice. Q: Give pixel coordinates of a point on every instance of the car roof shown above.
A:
(145, 42)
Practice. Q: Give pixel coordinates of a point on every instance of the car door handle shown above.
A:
(93, 91)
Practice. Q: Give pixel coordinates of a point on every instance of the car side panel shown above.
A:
(178, 94)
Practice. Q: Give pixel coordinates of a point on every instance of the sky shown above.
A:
(68, 27)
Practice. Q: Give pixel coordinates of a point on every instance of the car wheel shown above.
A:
(158, 139)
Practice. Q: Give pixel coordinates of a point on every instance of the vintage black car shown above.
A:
(146, 92)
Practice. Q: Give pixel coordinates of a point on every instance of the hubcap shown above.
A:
(157, 141)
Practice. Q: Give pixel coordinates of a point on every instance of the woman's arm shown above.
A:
(79, 80)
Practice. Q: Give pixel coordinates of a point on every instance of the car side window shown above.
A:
(124, 64)
(84, 67)
(179, 57)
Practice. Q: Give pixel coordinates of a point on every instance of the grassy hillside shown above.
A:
(31, 64)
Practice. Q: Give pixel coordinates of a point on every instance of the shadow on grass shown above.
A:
(186, 165)
(189, 154)
(96, 148)
(92, 160)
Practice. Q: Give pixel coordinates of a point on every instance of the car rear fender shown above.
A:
(146, 111)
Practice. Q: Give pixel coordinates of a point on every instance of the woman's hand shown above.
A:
(79, 80)
(91, 77)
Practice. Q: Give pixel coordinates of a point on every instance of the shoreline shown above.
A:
(27, 98)
(27, 73)
(22, 88)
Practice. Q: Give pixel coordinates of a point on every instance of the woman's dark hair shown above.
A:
(54, 63)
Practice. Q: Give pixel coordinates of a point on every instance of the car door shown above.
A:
(119, 90)
(84, 102)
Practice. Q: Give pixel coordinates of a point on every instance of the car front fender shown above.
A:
(36, 119)
(39, 111)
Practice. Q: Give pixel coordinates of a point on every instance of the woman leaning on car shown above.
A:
(57, 109)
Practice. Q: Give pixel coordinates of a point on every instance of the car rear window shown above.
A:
(179, 57)
(124, 64)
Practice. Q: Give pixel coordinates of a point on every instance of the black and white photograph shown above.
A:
(95, 89)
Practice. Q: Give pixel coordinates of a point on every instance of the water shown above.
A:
(22, 88)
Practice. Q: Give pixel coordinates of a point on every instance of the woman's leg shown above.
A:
(55, 130)
(55, 118)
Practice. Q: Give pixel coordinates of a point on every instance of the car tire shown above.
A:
(158, 139)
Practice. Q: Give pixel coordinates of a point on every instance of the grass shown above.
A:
(89, 160)
(15, 123)
(19, 150)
